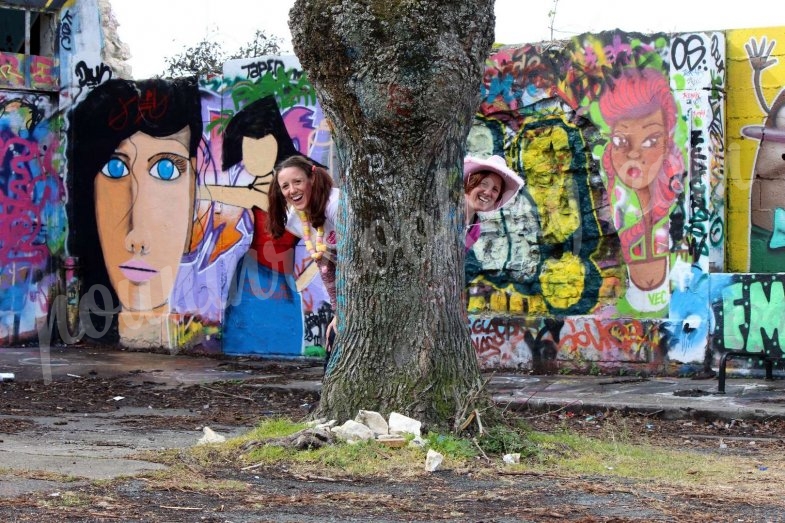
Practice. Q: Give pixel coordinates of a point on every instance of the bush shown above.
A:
(502, 439)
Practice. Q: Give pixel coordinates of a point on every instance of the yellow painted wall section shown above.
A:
(744, 109)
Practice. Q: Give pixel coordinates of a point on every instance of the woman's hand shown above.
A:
(331, 328)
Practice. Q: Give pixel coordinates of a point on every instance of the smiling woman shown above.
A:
(488, 185)
(134, 148)
(304, 202)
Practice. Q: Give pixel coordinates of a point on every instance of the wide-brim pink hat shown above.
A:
(497, 165)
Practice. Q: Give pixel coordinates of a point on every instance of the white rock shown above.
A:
(374, 421)
(351, 431)
(400, 424)
(315, 423)
(433, 460)
(512, 459)
(327, 425)
(210, 437)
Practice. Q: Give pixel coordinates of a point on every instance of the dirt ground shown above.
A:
(476, 494)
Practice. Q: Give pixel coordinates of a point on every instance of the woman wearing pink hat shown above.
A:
(488, 185)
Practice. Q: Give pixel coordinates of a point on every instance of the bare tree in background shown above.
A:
(400, 82)
(207, 57)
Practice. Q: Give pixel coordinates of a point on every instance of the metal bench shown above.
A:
(769, 362)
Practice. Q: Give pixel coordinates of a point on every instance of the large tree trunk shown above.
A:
(400, 81)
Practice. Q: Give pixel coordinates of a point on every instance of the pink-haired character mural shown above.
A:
(644, 169)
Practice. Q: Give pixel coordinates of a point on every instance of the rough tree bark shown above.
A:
(400, 82)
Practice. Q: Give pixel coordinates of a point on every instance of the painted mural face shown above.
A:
(296, 187)
(144, 204)
(259, 154)
(639, 149)
(483, 198)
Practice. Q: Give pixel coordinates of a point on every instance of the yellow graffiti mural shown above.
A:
(485, 296)
(562, 280)
(546, 159)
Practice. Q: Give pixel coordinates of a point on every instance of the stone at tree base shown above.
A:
(433, 460)
(512, 459)
(374, 421)
(400, 424)
(352, 432)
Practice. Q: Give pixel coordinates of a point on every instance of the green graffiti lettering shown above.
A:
(733, 317)
(657, 298)
(766, 318)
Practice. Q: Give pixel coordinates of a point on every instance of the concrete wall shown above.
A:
(33, 222)
(588, 268)
(612, 258)
(223, 284)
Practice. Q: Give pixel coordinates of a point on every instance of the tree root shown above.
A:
(306, 439)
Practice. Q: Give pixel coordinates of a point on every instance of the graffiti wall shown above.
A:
(749, 311)
(756, 76)
(259, 112)
(32, 216)
(28, 71)
(619, 138)
(611, 258)
(169, 183)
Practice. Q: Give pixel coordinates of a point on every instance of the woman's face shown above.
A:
(483, 198)
(638, 149)
(144, 201)
(295, 186)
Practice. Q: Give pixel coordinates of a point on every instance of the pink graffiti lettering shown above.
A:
(41, 71)
(20, 223)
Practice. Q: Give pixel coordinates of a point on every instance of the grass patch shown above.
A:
(38, 474)
(67, 499)
(186, 479)
(569, 453)
(271, 428)
(614, 453)
(451, 446)
(365, 458)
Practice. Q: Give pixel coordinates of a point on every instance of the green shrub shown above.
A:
(502, 439)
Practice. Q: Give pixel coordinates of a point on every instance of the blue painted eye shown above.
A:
(115, 168)
(165, 169)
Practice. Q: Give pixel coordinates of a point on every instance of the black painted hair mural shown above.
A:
(107, 131)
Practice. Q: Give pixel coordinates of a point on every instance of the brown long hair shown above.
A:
(321, 185)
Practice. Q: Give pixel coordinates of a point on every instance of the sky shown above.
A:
(155, 29)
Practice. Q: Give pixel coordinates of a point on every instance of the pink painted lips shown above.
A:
(137, 271)
(634, 172)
